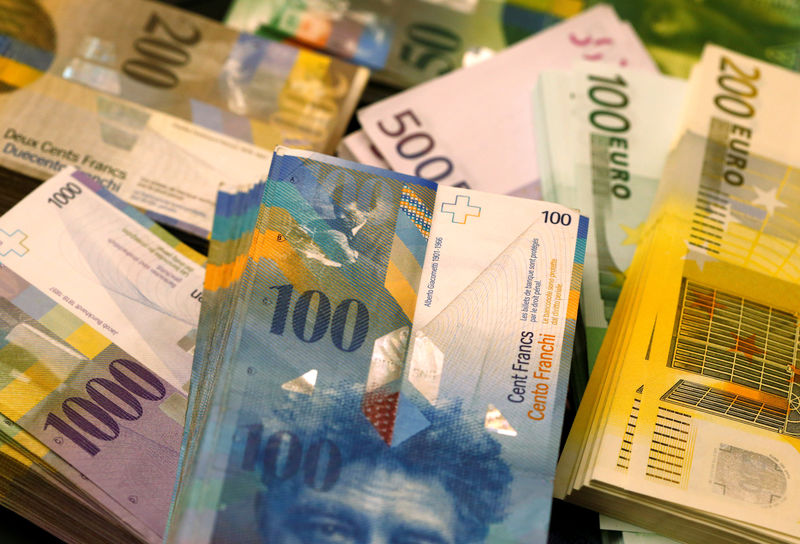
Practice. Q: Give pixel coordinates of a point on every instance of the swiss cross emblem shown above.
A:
(12, 243)
(461, 209)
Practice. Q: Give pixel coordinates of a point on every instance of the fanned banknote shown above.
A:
(158, 104)
(689, 423)
(373, 374)
(70, 431)
(604, 135)
(471, 128)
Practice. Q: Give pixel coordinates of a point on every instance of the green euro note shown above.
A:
(603, 137)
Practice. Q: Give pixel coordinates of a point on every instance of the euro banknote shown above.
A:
(709, 439)
(607, 132)
(158, 104)
(373, 365)
(446, 130)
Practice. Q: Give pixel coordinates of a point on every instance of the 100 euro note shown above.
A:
(434, 130)
(620, 125)
(350, 396)
(146, 97)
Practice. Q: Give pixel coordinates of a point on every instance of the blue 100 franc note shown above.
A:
(395, 369)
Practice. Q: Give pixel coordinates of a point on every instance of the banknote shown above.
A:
(116, 269)
(446, 130)
(357, 147)
(403, 372)
(234, 221)
(93, 404)
(675, 31)
(711, 442)
(734, 348)
(406, 43)
(417, 41)
(35, 480)
(614, 129)
(146, 97)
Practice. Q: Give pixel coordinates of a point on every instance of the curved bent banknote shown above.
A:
(124, 277)
(147, 97)
(118, 271)
(395, 363)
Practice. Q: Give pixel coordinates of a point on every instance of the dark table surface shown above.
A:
(569, 523)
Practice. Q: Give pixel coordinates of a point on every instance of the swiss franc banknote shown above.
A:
(406, 42)
(123, 277)
(675, 31)
(93, 404)
(146, 97)
(110, 266)
(396, 364)
(447, 130)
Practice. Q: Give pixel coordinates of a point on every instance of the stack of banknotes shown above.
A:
(157, 104)
(377, 355)
(98, 320)
(689, 424)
